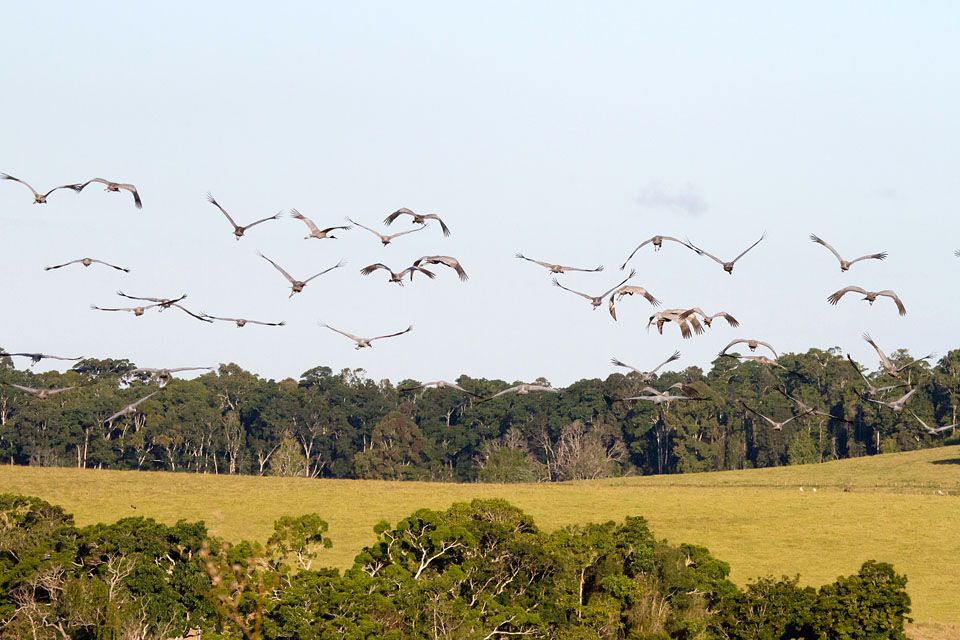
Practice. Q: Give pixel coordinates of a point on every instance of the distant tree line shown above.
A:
(345, 425)
(476, 571)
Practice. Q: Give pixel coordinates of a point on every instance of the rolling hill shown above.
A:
(901, 508)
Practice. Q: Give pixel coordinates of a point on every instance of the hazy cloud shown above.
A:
(686, 199)
(887, 193)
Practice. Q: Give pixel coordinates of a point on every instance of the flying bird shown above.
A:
(683, 320)
(296, 286)
(131, 408)
(805, 408)
(418, 218)
(764, 360)
(871, 389)
(898, 404)
(524, 389)
(887, 363)
(37, 357)
(385, 239)
(708, 319)
(366, 342)
(446, 261)
(596, 301)
(115, 187)
(656, 398)
(727, 266)
(846, 264)
(934, 430)
(397, 277)
(315, 231)
(41, 198)
(657, 242)
(440, 384)
(869, 296)
(238, 231)
(242, 322)
(558, 268)
(777, 426)
(87, 262)
(646, 376)
(163, 376)
(137, 311)
(752, 344)
(40, 394)
(163, 303)
(629, 290)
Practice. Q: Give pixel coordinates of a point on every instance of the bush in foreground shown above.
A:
(481, 571)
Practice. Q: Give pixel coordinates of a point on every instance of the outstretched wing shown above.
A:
(275, 216)
(370, 268)
(403, 233)
(823, 242)
(443, 227)
(5, 176)
(307, 221)
(890, 294)
(60, 266)
(633, 272)
(279, 268)
(768, 346)
(548, 265)
(872, 256)
(856, 368)
(757, 413)
(704, 253)
(412, 270)
(327, 270)
(29, 390)
(732, 342)
(402, 211)
(675, 356)
(113, 266)
(393, 335)
(557, 284)
(834, 297)
(352, 221)
(343, 333)
(136, 194)
(886, 361)
(620, 363)
(634, 252)
(744, 252)
(214, 202)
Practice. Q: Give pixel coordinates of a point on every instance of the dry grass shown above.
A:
(901, 508)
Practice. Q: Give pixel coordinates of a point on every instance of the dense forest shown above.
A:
(345, 425)
(476, 571)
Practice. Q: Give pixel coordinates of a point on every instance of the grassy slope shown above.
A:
(757, 520)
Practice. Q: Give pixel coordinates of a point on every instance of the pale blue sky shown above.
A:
(563, 130)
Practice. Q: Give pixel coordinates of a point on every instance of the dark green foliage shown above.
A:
(345, 425)
(871, 605)
(475, 571)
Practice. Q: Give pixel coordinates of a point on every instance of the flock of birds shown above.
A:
(690, 321)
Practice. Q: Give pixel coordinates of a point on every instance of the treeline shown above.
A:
(345, 425)
(476, 571)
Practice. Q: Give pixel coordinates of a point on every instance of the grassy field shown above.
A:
(902, 508)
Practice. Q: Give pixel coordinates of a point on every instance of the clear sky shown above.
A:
(568, 131)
